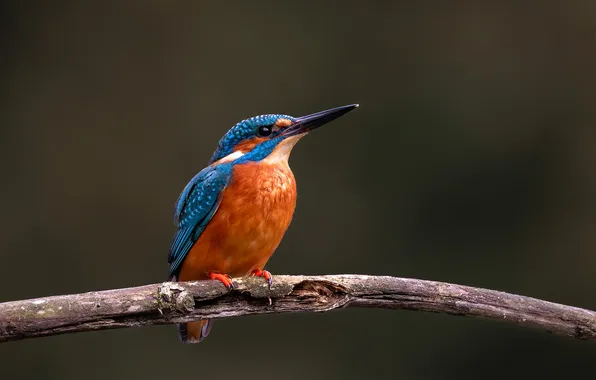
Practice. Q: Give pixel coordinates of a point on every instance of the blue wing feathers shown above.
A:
(181, 204)
(180, 247)
(195, 207)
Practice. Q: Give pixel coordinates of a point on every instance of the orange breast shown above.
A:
(255, 211)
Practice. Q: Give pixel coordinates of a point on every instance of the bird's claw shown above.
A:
(265, 274)
(225, 279)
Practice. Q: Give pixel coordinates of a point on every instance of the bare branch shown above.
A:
(181, 302)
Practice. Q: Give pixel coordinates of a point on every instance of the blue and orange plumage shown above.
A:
(233, 214)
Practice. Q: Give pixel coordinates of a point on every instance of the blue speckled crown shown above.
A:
(245, 129)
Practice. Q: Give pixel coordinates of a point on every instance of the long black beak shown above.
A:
(308, 123)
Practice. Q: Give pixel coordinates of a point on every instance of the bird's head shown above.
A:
(272, 135)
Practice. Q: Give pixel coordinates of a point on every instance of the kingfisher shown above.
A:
(232, 215)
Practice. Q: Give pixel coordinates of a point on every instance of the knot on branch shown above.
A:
(325, 294)
(173, 296)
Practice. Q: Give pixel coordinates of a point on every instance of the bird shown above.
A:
(233, 214)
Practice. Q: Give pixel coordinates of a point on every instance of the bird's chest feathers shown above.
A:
(262, 190)
(258, 205)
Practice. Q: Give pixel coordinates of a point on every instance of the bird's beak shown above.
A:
(308, 123)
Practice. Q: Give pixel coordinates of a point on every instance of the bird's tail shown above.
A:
(194, 332)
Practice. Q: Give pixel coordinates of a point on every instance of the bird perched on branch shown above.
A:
(233, 214)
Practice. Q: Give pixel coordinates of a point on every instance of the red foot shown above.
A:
(265, 274)
(224, 278)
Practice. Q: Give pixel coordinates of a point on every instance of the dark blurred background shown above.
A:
(471, 160)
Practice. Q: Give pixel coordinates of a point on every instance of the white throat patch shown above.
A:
(230, 157)
(282, 151)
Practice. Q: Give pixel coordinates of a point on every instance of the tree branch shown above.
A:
(182, 302)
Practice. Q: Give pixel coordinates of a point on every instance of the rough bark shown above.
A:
(180, 302)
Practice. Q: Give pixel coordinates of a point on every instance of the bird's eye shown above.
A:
(264, 130)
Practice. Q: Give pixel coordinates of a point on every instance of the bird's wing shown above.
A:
(194, 209)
